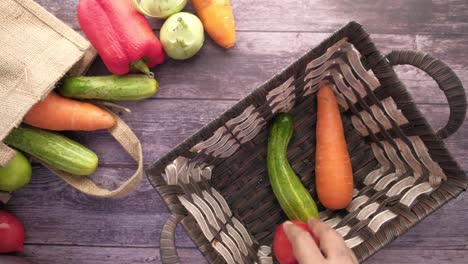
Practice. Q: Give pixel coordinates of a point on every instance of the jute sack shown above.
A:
(36, 51)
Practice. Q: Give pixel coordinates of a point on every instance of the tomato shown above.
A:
(159, 8)
(182, 36)
(282, 247)
(11, 233)
(16, 174)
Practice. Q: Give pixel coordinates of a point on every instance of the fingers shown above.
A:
(304, 247)
(353, 257)
(331, 243)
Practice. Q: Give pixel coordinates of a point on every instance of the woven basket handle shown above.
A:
(445, 77)
(167, 245)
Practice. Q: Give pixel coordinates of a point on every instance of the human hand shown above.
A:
(331, 250)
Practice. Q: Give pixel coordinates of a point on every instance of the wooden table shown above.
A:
(64, 226)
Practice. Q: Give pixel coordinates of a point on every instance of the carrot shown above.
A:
(333, 170)
(218, 20)
(59, 113)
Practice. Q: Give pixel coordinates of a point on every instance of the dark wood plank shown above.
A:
(423, 88)
(256, 58)
(54, 213)
(449, 48)
(401, 17)
(216, 73)
(408, 256)
(232, 74)
(441, 230)
(415, 16)
(162, 124)
(103, 255)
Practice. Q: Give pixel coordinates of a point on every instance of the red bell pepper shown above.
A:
(121, 35)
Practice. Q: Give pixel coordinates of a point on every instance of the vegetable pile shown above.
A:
(127, 44)
(129, 48)
(333, 170)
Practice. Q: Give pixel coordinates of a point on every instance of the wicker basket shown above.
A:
(216, 184)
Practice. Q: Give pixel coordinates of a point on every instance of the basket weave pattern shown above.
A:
(216, 183)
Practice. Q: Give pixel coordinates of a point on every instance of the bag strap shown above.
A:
(129, 141)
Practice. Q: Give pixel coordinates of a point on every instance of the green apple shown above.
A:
(182, 35)
(159, 8)
(16, 174)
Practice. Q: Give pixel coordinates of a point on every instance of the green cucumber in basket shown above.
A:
(113, 87)
(292, 196)
(53, 149)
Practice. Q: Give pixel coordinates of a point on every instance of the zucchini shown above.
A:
(292, 196)
(54, 150)
(113, 87)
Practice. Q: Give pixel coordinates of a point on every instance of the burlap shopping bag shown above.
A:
(36, 51)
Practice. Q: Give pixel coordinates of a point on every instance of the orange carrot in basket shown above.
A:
(333, 170)
(218, 20)
(59, 113)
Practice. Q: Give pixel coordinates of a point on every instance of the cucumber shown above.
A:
(113, 87)
(54, 150)
(292, 196)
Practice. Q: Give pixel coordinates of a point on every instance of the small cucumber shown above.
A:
(113, 87)
(292, 196)
(54, 150)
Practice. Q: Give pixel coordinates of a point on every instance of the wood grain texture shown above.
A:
(162, 124)
(218, 74)
(259, 55)
(55, 214)
(379, 16)
(104, 255)
(434, 256)
(65, 226)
